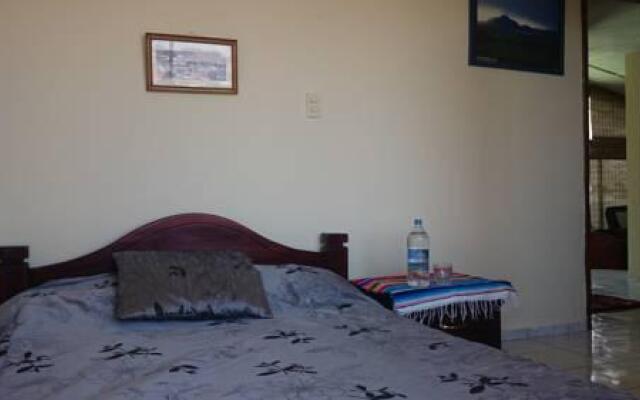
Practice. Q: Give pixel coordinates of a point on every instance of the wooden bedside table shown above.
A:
(13, 260)
(467, 307)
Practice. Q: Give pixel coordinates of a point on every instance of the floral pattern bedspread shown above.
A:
(326, 341)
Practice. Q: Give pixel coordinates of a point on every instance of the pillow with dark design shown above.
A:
(172, 285)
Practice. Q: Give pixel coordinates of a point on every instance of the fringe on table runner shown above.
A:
(467, 310)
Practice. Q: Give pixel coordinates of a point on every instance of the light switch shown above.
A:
(313, 105)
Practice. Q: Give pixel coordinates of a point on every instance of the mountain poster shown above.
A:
(526, 35)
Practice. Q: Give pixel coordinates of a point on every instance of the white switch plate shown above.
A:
(313, 105)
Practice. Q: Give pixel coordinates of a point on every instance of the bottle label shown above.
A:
(418, 258)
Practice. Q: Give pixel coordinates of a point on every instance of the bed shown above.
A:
(59, 338)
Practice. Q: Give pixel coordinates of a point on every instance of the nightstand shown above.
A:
(466, 307)
(13, 260)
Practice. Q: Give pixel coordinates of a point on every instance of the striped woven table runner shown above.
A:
(465, 296)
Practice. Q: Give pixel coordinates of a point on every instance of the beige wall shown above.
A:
(492, 159)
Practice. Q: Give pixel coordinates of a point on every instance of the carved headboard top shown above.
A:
(193, 232)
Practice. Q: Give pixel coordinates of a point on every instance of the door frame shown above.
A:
(584, 6)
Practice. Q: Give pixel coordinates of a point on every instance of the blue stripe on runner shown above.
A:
(406, 296)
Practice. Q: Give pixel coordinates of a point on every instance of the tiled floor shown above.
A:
(609, 355)
(614, 283)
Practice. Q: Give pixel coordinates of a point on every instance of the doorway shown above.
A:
(611, 31)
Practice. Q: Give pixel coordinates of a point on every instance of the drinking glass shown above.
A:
(442, 273)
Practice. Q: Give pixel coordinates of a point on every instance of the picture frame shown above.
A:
(523, 35)
(191, 64)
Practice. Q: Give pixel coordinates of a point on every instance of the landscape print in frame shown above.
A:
(191, 64)
(525, 35)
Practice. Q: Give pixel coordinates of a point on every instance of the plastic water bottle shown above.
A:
(418, 255)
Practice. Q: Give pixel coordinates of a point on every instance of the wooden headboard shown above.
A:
(181, 232)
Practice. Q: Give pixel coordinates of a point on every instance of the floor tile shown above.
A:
(609, 355)
(581, 372)
(522, 347)
(580, 343)
(617, 376)
(562, 359)
(635, 391)
(549, 355)
(623, 375)
(615, 283)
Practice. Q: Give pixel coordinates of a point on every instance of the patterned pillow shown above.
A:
(188, 285)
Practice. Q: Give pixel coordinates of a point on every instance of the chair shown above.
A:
(616, 218)
(608, 247)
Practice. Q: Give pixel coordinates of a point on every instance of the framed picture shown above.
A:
(525, 35)
(191, 64)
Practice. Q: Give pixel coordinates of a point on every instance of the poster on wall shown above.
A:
(524, 35)
(192, 64)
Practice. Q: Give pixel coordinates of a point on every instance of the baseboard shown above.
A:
(553, 330)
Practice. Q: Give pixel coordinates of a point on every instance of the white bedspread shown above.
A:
(327, 341)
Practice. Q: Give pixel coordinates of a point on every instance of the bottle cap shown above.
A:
(417, 221)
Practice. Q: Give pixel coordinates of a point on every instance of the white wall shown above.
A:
(491, 158)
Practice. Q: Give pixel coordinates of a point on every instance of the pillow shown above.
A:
(291, 287)
(188, 285)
